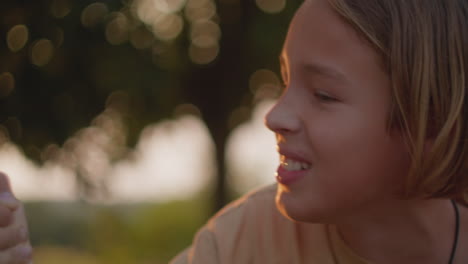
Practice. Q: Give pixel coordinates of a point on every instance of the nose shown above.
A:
(283, 117)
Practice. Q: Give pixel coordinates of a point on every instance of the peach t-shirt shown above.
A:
(251, 230)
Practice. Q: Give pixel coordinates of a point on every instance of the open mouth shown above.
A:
(293, 165)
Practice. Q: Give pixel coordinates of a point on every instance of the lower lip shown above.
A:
(286, 177)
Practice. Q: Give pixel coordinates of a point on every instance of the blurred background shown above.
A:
(125, 124)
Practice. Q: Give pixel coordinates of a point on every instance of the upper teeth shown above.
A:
(293, 165)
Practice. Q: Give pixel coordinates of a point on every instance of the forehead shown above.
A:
(316, 69)
(317, 27)
(319, 39)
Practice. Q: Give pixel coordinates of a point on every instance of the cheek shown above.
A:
(356, 153)
(355, 162)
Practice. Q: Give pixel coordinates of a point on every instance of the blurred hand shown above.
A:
(14, 239)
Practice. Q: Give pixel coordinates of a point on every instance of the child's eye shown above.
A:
(323, 97)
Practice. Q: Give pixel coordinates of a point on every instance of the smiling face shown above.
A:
(338, 155)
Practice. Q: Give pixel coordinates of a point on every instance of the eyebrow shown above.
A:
(318, 69)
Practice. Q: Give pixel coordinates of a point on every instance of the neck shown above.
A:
(416, 231)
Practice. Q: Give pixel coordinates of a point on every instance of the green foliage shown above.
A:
(58, 223)
(50, 103)
(140, 233)
(60, 255)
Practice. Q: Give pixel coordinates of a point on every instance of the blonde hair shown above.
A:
(424, 47)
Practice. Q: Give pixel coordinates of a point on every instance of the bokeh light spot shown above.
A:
(262, 81)
(7, 84)
(59, 37)
(194, 4)
(42, 52)
(169, 27)
(146, 11)
(205, 33)
(200, 55)
(271, 6)
(169, 6)
(60, 8)
(141, 38)
(94, 14)
(199, 10)
(17, 37)
(117, 29)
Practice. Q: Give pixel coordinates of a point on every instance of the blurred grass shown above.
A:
(58, 255)
(118, 234)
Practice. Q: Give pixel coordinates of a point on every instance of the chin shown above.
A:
(296, 209)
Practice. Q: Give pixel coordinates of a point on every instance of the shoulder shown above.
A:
(230, 230)
(248, 209)
(247, 219)
(249, 229)
(252, 230)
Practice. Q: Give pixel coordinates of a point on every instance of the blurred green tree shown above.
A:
(64, 62)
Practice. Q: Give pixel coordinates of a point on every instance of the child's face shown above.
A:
(333, 116)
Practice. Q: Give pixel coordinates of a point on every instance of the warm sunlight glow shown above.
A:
(173, 159)
(31, 182)
(251, 154)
